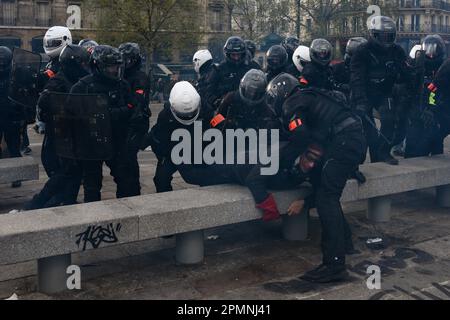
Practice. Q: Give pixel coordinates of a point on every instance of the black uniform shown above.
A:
(224, 79)
(65, 174)
(140, 121)
(123, 107)
(341, 77)
(239, 115)
(159, 139)
(11, 118)
(201, 86)
(425, 138)
(318, 76)
(374, 72)
(313, 116)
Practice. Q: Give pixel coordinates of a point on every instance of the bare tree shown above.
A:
(155, 24)
(254, 19)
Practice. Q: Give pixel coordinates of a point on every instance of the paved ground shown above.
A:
(252, 261)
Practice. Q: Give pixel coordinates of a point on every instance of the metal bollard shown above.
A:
(52, 276)
(380, 209)
(190, 248)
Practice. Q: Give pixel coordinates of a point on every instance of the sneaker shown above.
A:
(326, 274)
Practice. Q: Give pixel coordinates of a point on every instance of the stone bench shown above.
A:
(52, 235)
(18, 169)
(384, 180)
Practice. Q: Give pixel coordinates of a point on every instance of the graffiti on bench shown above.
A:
(96, 235)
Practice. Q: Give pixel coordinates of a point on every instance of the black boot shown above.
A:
(391, 161)
(326, 273)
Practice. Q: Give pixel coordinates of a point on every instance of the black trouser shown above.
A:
(380, 145)
(61, 189)
(11, 131)
(24, 135)
(49, 158)
(123, 170)
(164, 175)
(342, 159)
(423, 141)
(203, 175)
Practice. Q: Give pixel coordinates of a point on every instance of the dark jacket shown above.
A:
(375, 71)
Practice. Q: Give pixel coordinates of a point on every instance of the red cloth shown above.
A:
(269, 206)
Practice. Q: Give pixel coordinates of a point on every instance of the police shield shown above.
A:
(24, 78)
(82, 126)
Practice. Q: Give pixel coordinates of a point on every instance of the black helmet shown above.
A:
(253, 87)
(5, 60)
(321, 52)
(291, 44)
(277, 58)
(251, 46)
(434, 47)
(107, 62)
(382, 31)
(88, 44)
(278, 90)
(74, 61)
(352, 45)
(235, 50)
(131, 53)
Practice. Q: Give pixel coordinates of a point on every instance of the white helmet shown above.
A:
(185, 103)
(301, 56)
(414, 50)
(55, 40)
(200, 58)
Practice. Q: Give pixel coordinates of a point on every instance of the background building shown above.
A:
(23, 23)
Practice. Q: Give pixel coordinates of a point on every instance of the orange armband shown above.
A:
(217, 120)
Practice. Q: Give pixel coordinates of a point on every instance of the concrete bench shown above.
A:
(52, 235)
(384, 180)
(18, 169)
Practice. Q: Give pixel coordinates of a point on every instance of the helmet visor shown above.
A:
(113, 71)
(53, 43)
(186, 118)
(431, 50)
(385, 38)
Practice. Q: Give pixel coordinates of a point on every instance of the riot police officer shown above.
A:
(251, 49)
(139, 83)
(88, 44)
(376, 67)
(246, 108)
(277, 61)
(204, 66)
(55, 40)
(180, 112)
(426, 131)
(227, 76)
(65, 177)
(301, 57)
(313, 115)
(318, 73)
(291, 44)
(106, 79)
(11, 114)
(341, 70)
